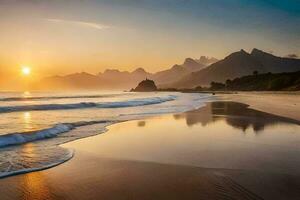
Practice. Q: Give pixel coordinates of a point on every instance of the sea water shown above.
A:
(41, 121)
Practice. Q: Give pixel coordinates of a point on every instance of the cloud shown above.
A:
(79, 23)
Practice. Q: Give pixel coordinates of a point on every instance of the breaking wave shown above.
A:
(58, 97)
(21, 138)
(23, 152)
(120, 104)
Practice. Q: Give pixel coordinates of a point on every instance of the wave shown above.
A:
(25, 137)
(58, 97)
(24, 170)
(120, 104)
(14, 159)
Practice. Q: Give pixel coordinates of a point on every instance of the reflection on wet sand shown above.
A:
(201, 154)
(36, 184)
(237, 115)
(141, 123)
(219, 135)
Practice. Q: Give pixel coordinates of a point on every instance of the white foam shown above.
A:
(71, 131)
(32, 169)
(120, 104)
(21, 138)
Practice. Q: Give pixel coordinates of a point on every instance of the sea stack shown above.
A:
(145, 86)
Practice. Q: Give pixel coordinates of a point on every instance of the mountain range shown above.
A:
(191, 73)
(236, 65)
(115, 79)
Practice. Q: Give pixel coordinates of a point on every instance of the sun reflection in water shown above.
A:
(26, 94)
(36, 185)
(27, 121)
(28, 148)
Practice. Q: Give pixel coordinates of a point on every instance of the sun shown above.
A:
(26, 70)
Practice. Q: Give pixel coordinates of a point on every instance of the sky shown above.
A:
(62, 37)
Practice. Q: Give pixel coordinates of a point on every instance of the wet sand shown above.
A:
(92, 177)
(224, 150)
(280, 103)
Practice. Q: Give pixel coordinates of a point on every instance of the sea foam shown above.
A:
(43, 152)
(21, 138)
(119, 104)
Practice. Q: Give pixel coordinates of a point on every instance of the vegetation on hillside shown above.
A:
(261, 82)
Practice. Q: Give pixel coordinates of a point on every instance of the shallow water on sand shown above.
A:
(220, 135)
(33, 125)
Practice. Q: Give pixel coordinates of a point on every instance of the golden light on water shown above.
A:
(26, 70)
(36, 185)
(27, 116)
(26, 94)
(27, 121)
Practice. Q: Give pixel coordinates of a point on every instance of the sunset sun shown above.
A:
(26, 70)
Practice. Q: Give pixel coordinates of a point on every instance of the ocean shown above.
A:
(33, 124)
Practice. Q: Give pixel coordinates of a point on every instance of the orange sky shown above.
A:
(61, 37)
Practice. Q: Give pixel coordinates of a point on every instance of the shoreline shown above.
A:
(103, 131)
(25, 171)
(90, 174)
(220, 96)
(101, 170)
(281, 104)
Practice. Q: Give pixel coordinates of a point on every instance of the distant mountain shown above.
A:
(140, 71)
(115, 79)
(81, 80)
(235, 65)
(206, 60)
(275, 64)
(192, 65)
(177, 71)
(109, 79)
(113, 72)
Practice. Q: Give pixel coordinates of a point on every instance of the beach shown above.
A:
(279, 103)
(149, 100)
(224, 150)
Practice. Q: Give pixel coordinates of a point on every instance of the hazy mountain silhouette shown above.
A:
(276, 64)
(109, 79)
(177, 71)
(190, 74)
(206, 60)
(235, 65)
(115, 79)
(81, 80)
